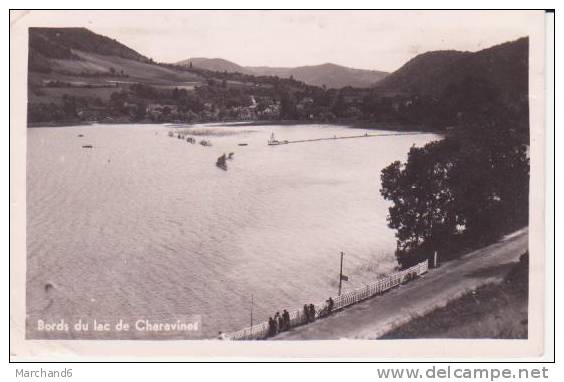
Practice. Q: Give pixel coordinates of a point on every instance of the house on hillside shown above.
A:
(157, 109)
(353, 100)
(93, 113)
(271, 111)
(245, 113)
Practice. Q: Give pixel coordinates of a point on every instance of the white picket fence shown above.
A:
(297, 317)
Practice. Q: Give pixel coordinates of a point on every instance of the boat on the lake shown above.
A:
(243, 144)
(274, 142)
(87, 146)
(221, 162)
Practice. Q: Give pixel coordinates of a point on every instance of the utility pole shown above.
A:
(341, 273)
(252, 312)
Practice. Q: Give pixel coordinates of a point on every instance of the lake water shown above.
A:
(144, 225)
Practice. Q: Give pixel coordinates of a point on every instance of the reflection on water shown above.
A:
(144, 224)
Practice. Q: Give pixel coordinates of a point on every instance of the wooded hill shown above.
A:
(78, 75)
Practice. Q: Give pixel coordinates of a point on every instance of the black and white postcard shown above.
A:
(277, 183)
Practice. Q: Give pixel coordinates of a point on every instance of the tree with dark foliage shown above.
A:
(462, 192)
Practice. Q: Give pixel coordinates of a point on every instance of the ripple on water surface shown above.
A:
(146, 225)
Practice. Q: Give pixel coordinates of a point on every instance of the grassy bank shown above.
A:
(491, 311)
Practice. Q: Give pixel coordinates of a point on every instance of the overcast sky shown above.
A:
(380, 40)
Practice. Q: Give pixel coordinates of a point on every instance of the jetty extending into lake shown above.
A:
(274, 142)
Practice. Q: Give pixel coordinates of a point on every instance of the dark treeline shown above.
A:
(237, 96)
(219, 100)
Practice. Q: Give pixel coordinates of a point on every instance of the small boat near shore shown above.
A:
(87, 146)
(243, 144)
(273, 141)
(221, 162)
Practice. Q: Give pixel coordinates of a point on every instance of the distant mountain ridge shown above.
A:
(74, 70)
(59, 42)
(420, 74)
(484, 86)
(213, 64)
(329, 75)
(504, 66)
(56, 53)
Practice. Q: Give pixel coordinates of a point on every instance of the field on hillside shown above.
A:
(133, 71)
(48, 95)
(102, 86)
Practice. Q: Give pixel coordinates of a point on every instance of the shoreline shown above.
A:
(379, 315)
(365, 125)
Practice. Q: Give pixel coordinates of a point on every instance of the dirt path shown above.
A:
(376, 316)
